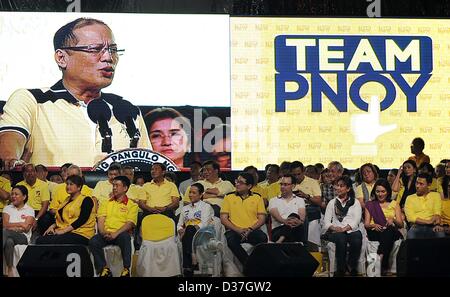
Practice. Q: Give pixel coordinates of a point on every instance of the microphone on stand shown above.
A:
(126, 113)
(100, 113)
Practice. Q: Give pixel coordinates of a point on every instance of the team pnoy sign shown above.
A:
(371, 56)
(141, 159)
(351, 90)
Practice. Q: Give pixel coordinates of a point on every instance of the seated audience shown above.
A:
(38, 197)
(341, 222)
(215, 187)
(288, 213)
(192, 217)
(75, 217)
(382, 219)
(18, 218)
(115, 220)
(369, 175)
(161, 195)
(242, 214)
(423, 210)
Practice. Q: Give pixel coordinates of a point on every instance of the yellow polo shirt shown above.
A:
(60, 195)
(309, 186)
(423, 207)
(260, 190)
(102, 190)
(160, 195)
(57, 129)
(445, 212)
(273, 189)
(359, 191)
(117, 213)
(37, 193)
(5, 185)
(136, 193)
(224, 187)
(243, 212)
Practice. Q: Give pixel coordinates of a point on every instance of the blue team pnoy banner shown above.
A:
(139, 159)
(381, 59)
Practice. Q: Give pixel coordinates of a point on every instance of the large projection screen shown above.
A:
(301, 89)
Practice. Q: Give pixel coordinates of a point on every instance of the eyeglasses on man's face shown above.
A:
(240, 181)
(96, 49)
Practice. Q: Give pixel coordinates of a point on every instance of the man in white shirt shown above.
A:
(341, 222)
(288, 213)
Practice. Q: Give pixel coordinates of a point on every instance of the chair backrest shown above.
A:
(157, 227)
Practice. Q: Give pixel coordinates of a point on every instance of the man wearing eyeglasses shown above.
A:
(51, 126)
(243, 213)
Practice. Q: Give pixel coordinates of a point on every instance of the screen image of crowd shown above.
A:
(151, 223)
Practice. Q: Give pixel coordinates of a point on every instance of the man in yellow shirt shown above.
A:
(103, 189)
(42, 173)
(272, 182)
(115, 219)
(38, 197)
(161, 195)
(242, 214)
(5, 190)
(423, 210)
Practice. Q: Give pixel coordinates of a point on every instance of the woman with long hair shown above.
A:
(382, 219)
(405, 181)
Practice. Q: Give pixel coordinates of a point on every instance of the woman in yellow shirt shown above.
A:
(382, 220)
(75, 218)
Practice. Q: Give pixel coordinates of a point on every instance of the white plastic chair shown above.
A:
(371, 251)
(159, 254)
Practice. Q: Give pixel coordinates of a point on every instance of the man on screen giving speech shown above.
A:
(73, 120)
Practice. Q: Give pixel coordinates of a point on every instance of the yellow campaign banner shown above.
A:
(347, 89)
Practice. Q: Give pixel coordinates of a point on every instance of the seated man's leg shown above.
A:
(278, 232)
(124, 242)
(96, 245)
(234, 243)
(256, 237)
(355, 241)
(340, 240)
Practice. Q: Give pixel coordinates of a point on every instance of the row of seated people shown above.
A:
(235, 224)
